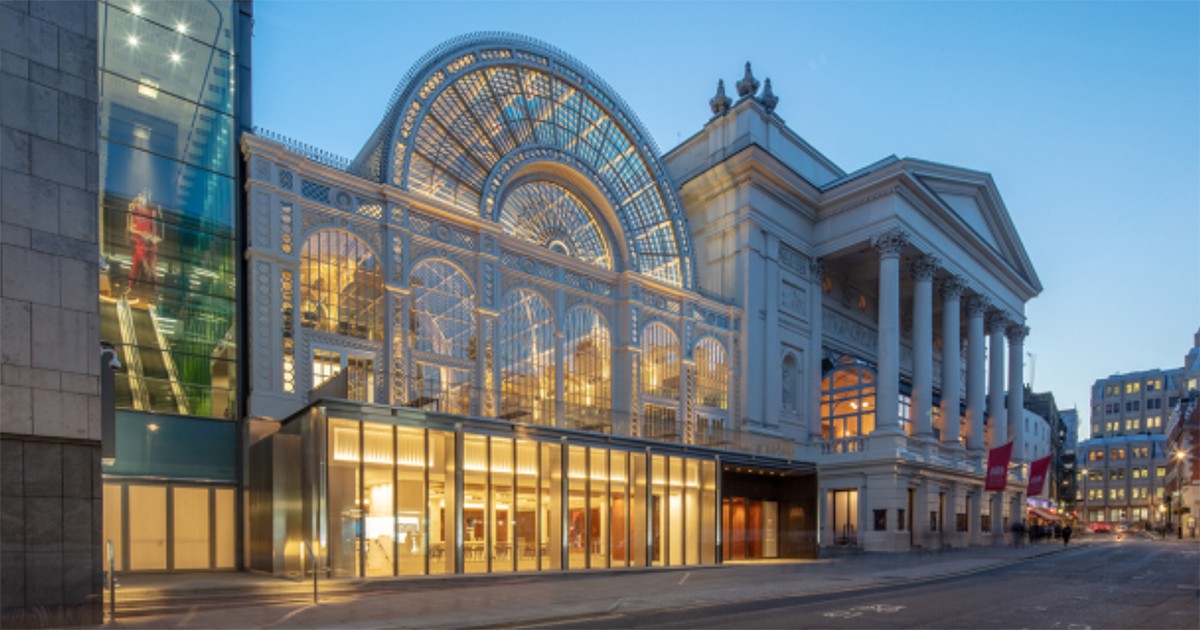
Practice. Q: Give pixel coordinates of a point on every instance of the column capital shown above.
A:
(978, 305)
(997, 320)
(952, 288)
(1016, 333)
(925, 267)
(890, 244)
(816, 267)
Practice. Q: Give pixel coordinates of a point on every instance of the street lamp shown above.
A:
(1087, 498)
(1180, 454)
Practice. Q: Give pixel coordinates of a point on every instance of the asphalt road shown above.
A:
(1134, 583)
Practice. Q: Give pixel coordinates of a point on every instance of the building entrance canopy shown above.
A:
(384, 491)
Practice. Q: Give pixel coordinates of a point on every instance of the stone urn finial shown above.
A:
(720, 103)
(768, 99)
(748, 86)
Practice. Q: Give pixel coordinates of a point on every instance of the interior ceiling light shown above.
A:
(135, 9)
(133, 40)
(176, 57)
(181, 27)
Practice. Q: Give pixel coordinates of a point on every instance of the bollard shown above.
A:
(112, 592)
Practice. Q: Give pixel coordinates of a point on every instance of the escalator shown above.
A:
(150, 381)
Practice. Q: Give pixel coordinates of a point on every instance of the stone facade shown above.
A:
(49, 350)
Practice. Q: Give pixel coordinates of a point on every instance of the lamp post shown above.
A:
(1180, 455)
(1087, 498)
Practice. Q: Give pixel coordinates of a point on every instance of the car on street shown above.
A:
(1100, 528)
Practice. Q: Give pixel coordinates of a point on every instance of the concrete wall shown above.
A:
(50, 533)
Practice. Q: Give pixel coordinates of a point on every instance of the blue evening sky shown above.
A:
(1086, 114)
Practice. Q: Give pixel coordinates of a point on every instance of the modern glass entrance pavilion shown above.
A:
(380, 491)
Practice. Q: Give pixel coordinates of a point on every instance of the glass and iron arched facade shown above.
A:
(507, 257)
(484, 109)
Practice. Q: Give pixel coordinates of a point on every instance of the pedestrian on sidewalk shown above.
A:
(1018, 533)
(1066, 534)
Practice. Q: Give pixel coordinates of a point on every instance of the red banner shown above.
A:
(1037, 476)
(997, 468)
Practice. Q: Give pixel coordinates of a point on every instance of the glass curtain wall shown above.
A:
(390, 505)
(168, 199)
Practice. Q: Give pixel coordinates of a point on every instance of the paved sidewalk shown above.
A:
(245, 601)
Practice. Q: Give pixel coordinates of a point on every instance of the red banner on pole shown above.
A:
(997, 468)
(1037, 476)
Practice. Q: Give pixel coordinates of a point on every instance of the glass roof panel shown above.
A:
(548, 215)
(487, 107)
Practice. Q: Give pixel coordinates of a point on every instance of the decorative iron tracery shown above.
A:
(475, 99)
(546, 214)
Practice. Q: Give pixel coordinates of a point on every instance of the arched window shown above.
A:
(712, 374)
(527, 362)
(847, 401)
(660, 361)
(341, 287)
(549, 215)
(442, 322)
(790, 369)
(587, 371)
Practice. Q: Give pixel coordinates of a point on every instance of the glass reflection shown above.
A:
(847, 401)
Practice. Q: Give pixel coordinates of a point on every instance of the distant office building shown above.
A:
(1069, 470)
(1123, 467)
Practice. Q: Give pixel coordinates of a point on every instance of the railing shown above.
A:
(315, 154)
(843, 445)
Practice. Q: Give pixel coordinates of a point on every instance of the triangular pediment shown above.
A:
(971, 197)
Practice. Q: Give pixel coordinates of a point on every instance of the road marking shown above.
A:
(187, 618)
(685, 577)
(1079, 626)
(858, 611)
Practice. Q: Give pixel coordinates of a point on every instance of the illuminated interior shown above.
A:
(341, 288)
(660, 361)
(527, 362)
(847, 401)
(392, 504)
(712, 374)
(587, 370)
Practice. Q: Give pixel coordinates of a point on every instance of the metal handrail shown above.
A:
(312, 556)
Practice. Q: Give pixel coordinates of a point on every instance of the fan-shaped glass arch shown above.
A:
(660, 362)
(587, 370)
(712, 374)
(341, 287)
(443, 312)
(527, 365)
(549, 215)
(476, 106)
(847, 401)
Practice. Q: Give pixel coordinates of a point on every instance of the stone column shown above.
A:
(887, 387)
(812, 372)
(923, 269)
(1016, 388)
(977, 306)
(952, 289)
(996, 323)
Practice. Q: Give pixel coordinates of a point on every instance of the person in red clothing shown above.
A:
(145, 231)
